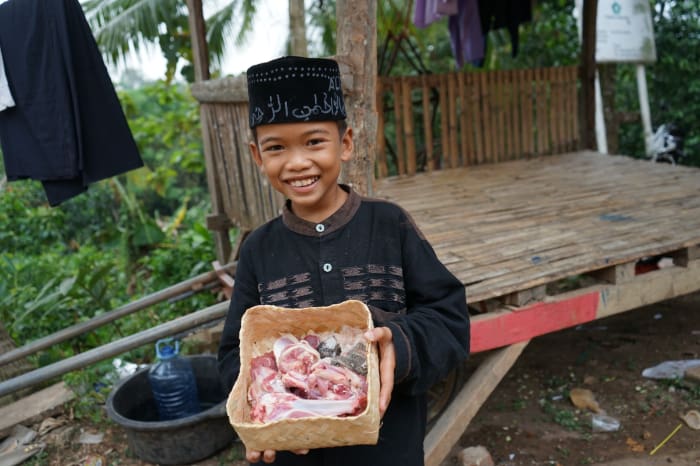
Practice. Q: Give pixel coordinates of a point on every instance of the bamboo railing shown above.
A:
(456, 119)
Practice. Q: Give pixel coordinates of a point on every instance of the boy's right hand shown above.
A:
(267, 456)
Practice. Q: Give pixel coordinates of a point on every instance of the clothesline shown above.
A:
(469, 22)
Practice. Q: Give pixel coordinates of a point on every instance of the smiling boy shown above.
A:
(331, 244)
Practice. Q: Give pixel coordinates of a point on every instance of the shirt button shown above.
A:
(327, 267)
(320, 228)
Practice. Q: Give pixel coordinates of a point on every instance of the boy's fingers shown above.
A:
(386, 376)
(379, 335)
(269, 456)
(252, 456)
(387, 363)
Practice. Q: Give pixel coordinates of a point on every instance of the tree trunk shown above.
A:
(297, 28)
(357, 50)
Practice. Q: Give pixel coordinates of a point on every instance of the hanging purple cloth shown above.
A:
(428, 11)
(465, 33)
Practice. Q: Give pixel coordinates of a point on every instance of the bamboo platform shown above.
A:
(513, 226)
(514, 232)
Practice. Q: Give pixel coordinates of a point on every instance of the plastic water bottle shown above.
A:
(173, 383)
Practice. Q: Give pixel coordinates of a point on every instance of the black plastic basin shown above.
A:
(180, 441)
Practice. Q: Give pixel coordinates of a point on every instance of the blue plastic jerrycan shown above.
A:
(173, 382)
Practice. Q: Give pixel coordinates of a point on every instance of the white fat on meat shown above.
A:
(278, 406)
(293, 355)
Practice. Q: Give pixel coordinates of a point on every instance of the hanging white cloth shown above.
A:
(6, 99)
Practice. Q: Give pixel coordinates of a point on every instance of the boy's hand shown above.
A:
(387, 362)
(267, 456)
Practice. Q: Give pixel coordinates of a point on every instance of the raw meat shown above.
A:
(293, 380)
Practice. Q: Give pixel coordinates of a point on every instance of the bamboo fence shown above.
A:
(457, 119)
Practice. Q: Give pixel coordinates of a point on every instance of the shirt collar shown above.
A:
(337, 220)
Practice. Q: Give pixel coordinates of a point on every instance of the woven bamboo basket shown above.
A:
(260, 327)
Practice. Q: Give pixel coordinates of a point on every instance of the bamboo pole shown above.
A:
(408, 132)
(98, 321)
(427, 125)
(115, 348)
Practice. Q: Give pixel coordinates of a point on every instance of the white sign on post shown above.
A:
(624, 34)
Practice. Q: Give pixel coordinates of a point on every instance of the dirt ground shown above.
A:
(529, 419)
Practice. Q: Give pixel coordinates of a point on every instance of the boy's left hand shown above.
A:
(387, 362)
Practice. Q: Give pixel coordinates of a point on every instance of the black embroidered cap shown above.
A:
(295, 89)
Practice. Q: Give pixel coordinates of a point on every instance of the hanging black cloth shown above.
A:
(67, 128)
(510, 14)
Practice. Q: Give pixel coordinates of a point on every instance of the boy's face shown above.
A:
(302, 161)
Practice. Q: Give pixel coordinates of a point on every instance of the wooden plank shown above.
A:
(485, 103)
(563, 106)
(502, 328)
(34, 407)
(526, 296)
(382, 167)
(553, 108)
(452, 93)
(464, 134)
(516, 145)
(408, 127)
(475, 99)
(573, 93)
(648, 288)
(686, 255)
(616, 274)
(398, 118)
(542, 112)
(527, 125)
(427, 124)
(501, 130)
(444, 122)
(451, 425)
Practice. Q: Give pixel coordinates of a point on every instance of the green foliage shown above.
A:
(92, 387)
(674, 83)
(550, 39)
(164, 120)
(124, 238)
(564, 416)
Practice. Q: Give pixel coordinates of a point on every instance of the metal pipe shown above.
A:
(98, 321)
(114, 348)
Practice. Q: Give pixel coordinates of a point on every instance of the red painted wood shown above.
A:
(489, 331)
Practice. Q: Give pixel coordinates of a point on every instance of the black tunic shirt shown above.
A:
(369, 250)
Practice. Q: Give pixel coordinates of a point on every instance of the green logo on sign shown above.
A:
(616, 8)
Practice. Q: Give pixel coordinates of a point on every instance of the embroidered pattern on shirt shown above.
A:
(372, 283)
(293, 291)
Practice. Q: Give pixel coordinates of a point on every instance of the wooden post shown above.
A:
(451, 425)
(200, 53)
(357, 47)
(588, 67)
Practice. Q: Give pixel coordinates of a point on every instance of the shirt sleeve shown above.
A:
(433, 336)
(245, 295)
